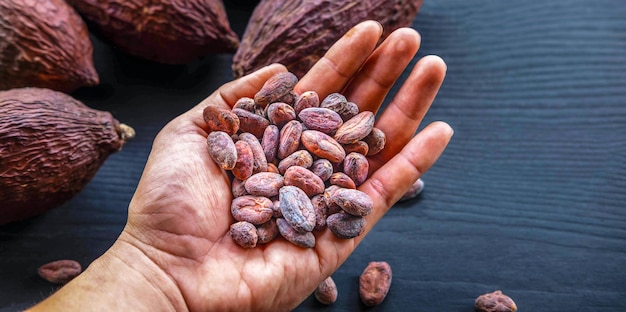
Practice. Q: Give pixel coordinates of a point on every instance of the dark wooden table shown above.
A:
(529, 197)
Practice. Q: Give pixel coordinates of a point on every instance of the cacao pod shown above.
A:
(44, 43)
(164, 31)
(297, 33)
(51, 146)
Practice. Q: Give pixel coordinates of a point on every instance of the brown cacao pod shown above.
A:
(51, 146)
(164, 31)
(297, 33)
(44, 44)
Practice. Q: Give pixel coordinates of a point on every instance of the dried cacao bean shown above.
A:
(305, 239)
(253, 209)
(322, 145)
(245, 161)
(321, 119)
(326, 291)
(60, 271)
(374, 283)
(289, 138)
(269, 142)
(222, 149)
(356, 128)
(305, 100)
(376, 141)
(251, 122)
(300, 158)
(414, 191)
(353, 202)
(296, 208)
(304, 179)
(280, 113)
(323, 168)
(338, 103)
(244, 234)
(357, 167)
(267, 231)
(221, 119)
(342, 180)
(259, 160)
(494, 302)
(345, 225)
(321, 211)
(265, 184)
(275, 88)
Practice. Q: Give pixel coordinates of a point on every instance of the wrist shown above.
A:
(122, 279)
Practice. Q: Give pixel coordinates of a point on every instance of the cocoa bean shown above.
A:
(296, 208)
(275, 88)
(494, 302)
(222, 149)
(305, 240)
(253, 209)
(323, 168)
(251, 122)
(321, 119)
(269, 142)
(305, 100)
(238, 188)
(326, 291)
(265, 184)
(357, 167)
(415, 189)
(356, 128)
(353, 202)
(338, 103)
(245, 161)
(244, 234)
(304, 179)
(289, 138)
(259, 160)
(267, 231)
(220, 119)
(342, 180)
(321, 211)
(280, 113)
(300, 158)
(357, 147)
(60, 271)
(345, 225)
(374, 283)
(248, 104)
(376, 141)
(322, 145)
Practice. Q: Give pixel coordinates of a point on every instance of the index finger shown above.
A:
(335, 69)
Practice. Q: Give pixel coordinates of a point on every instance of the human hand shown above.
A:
(176, 241)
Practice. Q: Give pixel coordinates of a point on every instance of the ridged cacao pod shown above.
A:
(44, 43)
(297, 33)
(164, 31)
(51, 146)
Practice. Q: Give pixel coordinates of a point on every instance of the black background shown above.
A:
(528, 198)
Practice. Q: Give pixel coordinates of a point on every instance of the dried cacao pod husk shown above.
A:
(44, 44)
(298, 33)
(51, 146)
(164, 31)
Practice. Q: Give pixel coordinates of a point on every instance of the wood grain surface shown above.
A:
(528, 198)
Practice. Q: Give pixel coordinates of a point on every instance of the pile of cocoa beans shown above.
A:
(295, 162)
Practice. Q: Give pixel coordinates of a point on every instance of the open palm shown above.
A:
(180, 214)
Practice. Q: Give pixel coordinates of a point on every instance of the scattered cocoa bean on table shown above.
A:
(60, 271)
(494, 302)
(374, 283)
